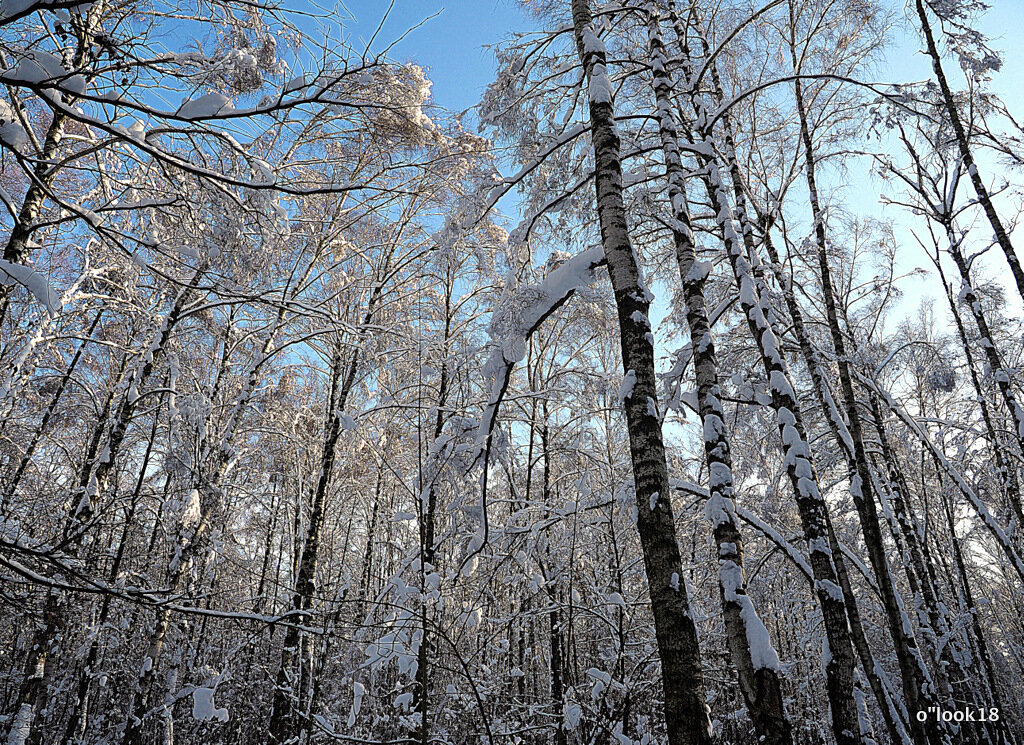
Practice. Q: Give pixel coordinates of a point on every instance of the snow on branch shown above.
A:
(519, 316)
(18, 274)
(792, 552)
(954, 475)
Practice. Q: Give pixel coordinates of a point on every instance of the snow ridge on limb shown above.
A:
(515, 321)
(33, 281)
(14, 10)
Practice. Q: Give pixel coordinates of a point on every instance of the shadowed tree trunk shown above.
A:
(918, 687)
(682, 676)
(757, 664)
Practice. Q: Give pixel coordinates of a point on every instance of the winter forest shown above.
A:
(673, 394)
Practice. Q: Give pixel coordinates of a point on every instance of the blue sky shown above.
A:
(450, 45)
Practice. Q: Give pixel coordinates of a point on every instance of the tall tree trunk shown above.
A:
(799, 463)
(1006, 470)
(891, 715)
(995, 362)
(964, 146)
(91, 485)
(757, 664)
(285, 716)
(286, 720)
(16, 250)
(555, 636)
(682, 676)
(918, 688)
(192, 531)
(427, 508)
(74, 730)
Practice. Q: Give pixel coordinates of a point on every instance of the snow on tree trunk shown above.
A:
(796, 451)
(750, 646)
(1002, 237)
(682, 676)
(997, 367)
(918, 687)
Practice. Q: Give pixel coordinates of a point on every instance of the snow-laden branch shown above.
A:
(521, 315)
(21, 274)
(955, 476)
(150, 597)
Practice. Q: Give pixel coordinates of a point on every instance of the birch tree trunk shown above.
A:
(797, 454)
(427, 519)
(1002, 237)
(1007, 471)
(16, 250)
(751, 652)
(891, 715)
(993, 357)
(285, 719)
(74, 730)
(88, 491)
(686, 716)
(918, 687)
